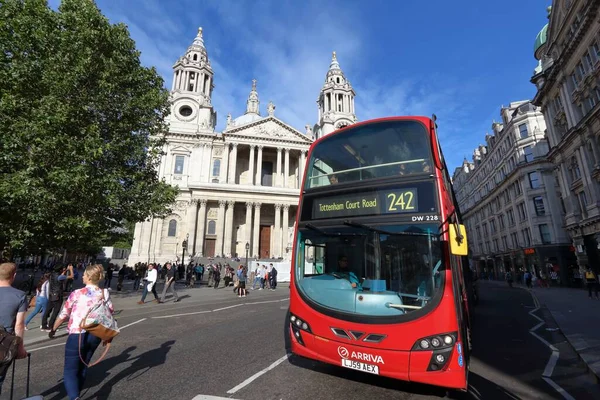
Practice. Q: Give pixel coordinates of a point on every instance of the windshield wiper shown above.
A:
(402, 306)
(370, 228)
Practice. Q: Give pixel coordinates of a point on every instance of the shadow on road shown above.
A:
(141, 364)
(95, 375)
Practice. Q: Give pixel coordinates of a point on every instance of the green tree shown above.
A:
(81, 128)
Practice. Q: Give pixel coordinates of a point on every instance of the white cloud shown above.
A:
(287, 48)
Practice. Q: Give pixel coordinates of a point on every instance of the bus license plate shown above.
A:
(372, 369)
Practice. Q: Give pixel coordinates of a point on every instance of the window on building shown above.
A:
(172, 231)
(496, 245)
(527, 236)
(528, 152)
(583, 199)
(515, 240)
(580, 71)
(211, 229)
(511, 217)
(478, 230)
(522, 212)
(216, 171)
(588, 60)
(591, 101)
(493, 226)
(179, 165)
(501, 221)
(505, 243)
(545, 234)
(534, 180)
(523, 132)
(595, 50)
(574, 80)
(267, 173)
(485, 230)
(538, 205)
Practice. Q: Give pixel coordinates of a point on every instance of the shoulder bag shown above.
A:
(101, 323)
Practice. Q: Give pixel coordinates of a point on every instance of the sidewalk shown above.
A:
(578, 317)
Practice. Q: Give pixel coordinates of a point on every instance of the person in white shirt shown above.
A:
(41, 298)
(150, 283)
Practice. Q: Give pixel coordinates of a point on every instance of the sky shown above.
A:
(462, 60)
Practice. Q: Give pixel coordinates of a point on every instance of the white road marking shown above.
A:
(46, 347)
(133, 323)
(547, 374)
(258, 374)
(181, 315)
(227, 308)
(267, 301)
(207, 397)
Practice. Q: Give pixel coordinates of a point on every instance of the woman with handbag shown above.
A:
(41, 298)
(82, 344)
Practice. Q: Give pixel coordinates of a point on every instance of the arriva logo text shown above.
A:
(357, 355)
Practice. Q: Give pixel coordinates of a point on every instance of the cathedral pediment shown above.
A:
(269, 129)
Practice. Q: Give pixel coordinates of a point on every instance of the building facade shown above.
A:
(238, 188)
(568, 91)
(509, 199)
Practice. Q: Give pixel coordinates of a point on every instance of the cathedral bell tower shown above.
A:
(192, 90)
(336, 101)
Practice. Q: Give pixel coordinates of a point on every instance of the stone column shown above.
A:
(201, 227)
(285, 226)
(286, 168)
(232, 164)
(301, 166)
(256, 232)
(192, 214)
(225, 164)
(228, 228)
(278, 182)
(248, 224)
(220, 224)
(259, 166)
(276, 250)
(251, 165)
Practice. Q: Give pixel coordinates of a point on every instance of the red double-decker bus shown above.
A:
(378, 261)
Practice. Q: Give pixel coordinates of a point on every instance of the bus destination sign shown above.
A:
(394, 201)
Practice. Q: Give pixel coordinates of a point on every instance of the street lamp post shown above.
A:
(184, 248)
(247, 249)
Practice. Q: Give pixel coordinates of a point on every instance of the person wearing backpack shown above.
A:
(12, 319)
(81, 344)
(55, 297)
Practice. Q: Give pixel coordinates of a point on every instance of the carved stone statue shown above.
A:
(271, 108)
(228, 120)
(309, 131)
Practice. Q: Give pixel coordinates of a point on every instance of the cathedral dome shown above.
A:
(246, 119)
(540, 40)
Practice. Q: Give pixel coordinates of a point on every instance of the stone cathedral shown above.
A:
(239, 186)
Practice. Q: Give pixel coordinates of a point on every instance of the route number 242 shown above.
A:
(403, 201)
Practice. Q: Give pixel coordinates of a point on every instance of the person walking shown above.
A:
(41, 299)
(55, 297)
(170, 283)
(591, 281)
(150, 284)
(81, 345)
(12, 314)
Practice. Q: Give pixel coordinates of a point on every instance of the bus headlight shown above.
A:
(297, 326)
(436, 342)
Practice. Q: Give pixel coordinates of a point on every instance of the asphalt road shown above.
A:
(229, 347)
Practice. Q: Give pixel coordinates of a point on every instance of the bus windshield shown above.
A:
(383, 270)
(377, 150)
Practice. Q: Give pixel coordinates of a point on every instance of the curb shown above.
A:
(589, 369)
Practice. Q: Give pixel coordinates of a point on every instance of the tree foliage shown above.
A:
(81, 127)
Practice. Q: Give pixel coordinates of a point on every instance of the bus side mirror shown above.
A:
(458, 240)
